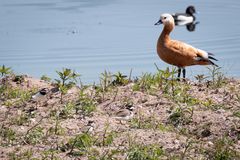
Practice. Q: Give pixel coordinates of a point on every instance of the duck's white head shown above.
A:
(165, 19)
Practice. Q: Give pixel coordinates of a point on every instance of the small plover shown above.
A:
(89, 127)
(40, 94)
(124, 114)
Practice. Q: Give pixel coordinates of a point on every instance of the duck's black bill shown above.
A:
(159, 22)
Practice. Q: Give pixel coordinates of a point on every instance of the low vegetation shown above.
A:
(192, 119)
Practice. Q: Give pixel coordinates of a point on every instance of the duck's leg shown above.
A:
(179, 74)
(184, 73)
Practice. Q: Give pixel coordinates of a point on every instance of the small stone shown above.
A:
(32, 120)
(210, 143)
(220, 111)
(176, 142)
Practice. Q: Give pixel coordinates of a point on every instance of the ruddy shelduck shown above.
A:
(178, 53)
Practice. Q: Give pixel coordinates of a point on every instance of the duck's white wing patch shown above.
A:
(187, 19)
(204, 54)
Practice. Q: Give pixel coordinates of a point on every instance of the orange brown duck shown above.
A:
(179, 53)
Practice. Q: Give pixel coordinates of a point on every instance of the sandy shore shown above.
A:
(172, 120)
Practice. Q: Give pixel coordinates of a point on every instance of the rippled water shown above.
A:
(41, 36)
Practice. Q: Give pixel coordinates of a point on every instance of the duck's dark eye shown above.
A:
(164, 17)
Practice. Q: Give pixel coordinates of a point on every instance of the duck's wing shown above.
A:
(201, 58)
(186, 18)
(189, 52)
(182, 17)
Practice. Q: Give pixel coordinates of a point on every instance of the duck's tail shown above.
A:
(210, 57)
(212, 63)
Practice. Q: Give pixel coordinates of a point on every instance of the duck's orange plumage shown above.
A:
(178, 53)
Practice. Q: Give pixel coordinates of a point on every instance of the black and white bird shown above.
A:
(124, 114)
(188, 18)
(89, 128)
(40, 94)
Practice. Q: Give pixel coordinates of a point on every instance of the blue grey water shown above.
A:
(89, 36)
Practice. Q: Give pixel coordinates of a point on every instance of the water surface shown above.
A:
(41, 36)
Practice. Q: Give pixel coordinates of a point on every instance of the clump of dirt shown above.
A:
(189, 120)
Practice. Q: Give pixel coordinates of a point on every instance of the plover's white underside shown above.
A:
(40, 94)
